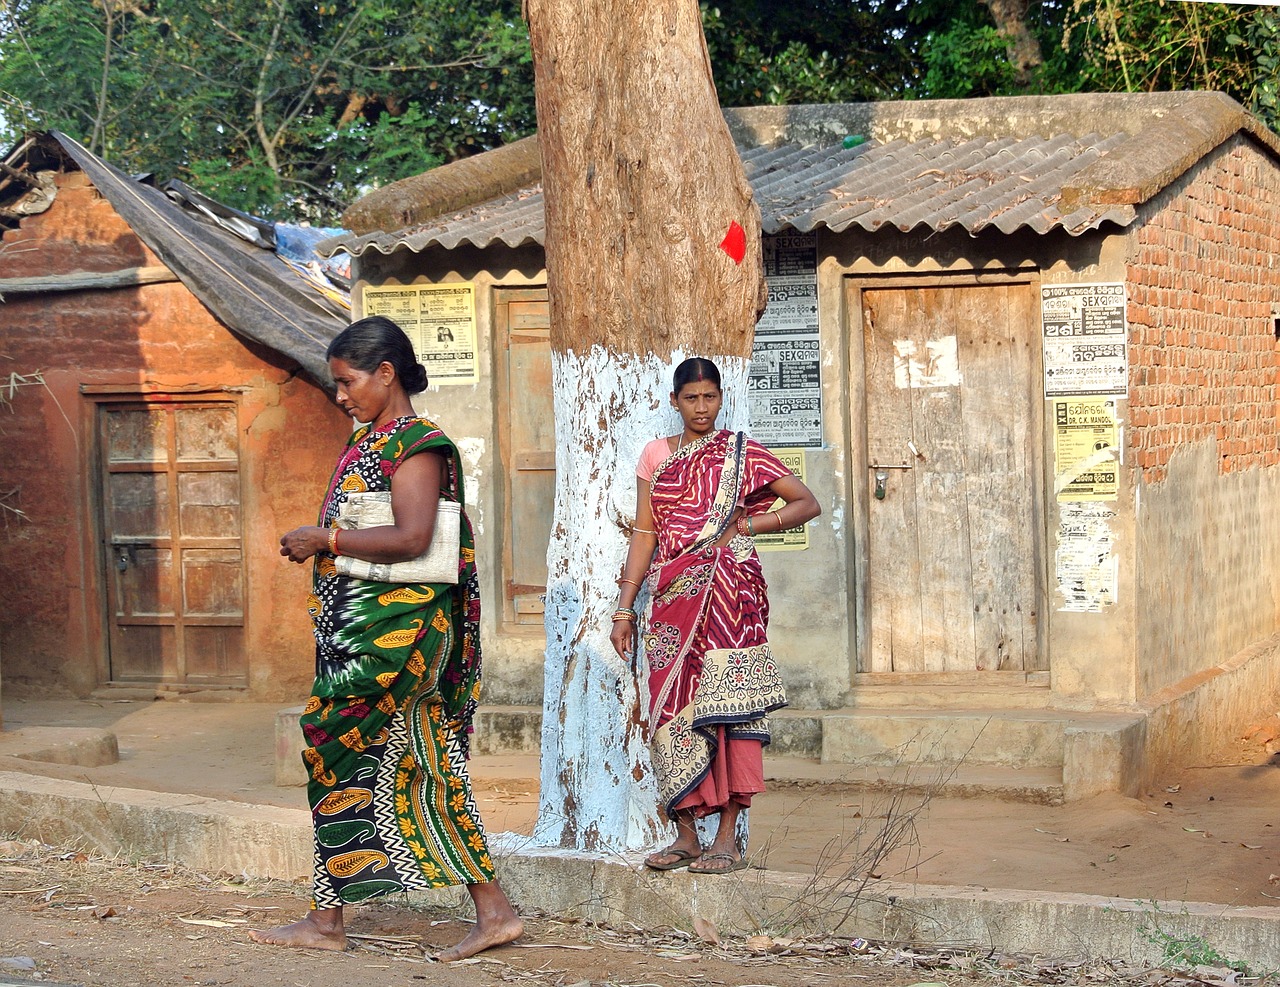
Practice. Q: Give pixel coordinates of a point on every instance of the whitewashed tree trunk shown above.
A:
(642, 183)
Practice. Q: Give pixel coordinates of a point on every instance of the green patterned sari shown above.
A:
(397, 679)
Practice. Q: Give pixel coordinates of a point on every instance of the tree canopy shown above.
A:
(276, 106)
(293, 108)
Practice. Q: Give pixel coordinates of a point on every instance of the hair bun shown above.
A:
(415, 381)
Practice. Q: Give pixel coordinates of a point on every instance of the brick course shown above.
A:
(1202, 280)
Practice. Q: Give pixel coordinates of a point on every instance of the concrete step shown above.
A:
(1036, 755)
(507, 730)
(946, 697)
(1040, 786)
(991, 737)
(997, 737)
(809, 777)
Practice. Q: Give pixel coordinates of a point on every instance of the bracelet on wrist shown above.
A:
(333, 541)
(624, 613)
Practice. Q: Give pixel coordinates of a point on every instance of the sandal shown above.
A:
(732, 864)
(683, 858)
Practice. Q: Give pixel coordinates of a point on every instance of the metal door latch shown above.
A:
(882, 475)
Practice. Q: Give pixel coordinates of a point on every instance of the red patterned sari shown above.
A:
(712, 675)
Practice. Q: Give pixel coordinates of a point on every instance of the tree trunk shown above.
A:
(1024, 50)
(643, 186)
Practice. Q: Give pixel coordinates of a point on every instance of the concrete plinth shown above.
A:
(218, 836)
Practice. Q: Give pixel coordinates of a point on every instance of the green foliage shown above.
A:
(808, 51)
(1188, 951)
(1262, 43)
(967, 60)
(294, 108)
(284, 108)
(1165, 45)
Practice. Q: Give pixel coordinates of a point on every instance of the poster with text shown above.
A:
(792, 539)
(1086, 567)
(440, 319)
(786, 361)
(1084, 339)
(1086, 449)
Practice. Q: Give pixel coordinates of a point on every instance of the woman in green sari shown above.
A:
(397, 668)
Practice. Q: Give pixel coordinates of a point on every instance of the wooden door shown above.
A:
(953, 580)
(171, 524)
(529, 446)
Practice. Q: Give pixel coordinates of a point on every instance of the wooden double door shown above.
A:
(170, 484)
(951, 516)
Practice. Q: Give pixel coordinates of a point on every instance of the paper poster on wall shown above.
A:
(786, 360)
(1084, 339)
(794, 539)
(1087, 570)
(440, 319)
(1086, 449)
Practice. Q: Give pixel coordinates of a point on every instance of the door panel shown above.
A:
(529, 449)
(208, 504)
(953, 552)
(171, 525)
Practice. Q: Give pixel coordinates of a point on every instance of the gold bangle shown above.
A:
(631, 581)
(333, 541)
(775, 513)
(647, 531)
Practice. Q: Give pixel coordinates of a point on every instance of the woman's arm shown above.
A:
(800, 505)
(644, 540)
(415, 494)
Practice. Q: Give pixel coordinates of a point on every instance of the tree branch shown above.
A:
(95, 146)
(259, 91)
(319, 71)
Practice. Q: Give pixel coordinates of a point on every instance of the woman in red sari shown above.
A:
(700, 498)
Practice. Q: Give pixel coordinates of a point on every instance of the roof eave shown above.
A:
(1163, 151)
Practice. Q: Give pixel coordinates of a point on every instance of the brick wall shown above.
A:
(1202, 349)
(1203, 276)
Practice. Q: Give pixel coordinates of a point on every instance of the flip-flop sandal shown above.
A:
(734, 863)
(683, 858)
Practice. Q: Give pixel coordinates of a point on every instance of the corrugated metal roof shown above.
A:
(1003, 182)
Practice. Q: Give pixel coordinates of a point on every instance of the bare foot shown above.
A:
(496, 932)
(309, 933)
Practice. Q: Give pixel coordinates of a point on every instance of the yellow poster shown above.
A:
(793, 539)
(1086, 449)
(440, 319)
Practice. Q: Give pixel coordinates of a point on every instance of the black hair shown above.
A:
(369, 342)
(694, 369)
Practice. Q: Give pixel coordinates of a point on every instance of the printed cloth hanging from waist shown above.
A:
(706, 639)
(397, 679)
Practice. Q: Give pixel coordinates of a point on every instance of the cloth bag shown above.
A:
(438, 564)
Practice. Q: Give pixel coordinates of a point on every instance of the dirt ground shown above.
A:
(1207, 833)
(67, 917)
(1204, 834)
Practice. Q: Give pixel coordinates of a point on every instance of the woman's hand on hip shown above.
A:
(623, 638)
(302, 543)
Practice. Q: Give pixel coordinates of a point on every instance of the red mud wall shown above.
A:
(153, 338)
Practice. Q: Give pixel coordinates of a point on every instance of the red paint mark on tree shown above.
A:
(735, 242)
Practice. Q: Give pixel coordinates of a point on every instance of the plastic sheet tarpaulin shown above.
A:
(249, 289)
